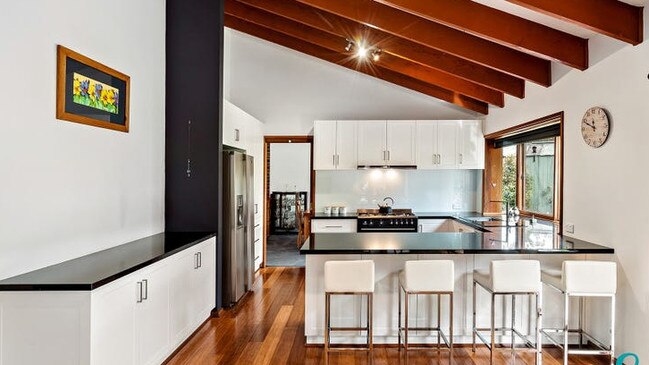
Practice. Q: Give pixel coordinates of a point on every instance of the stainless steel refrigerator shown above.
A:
(238, 225)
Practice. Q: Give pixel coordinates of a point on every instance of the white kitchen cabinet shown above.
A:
(346, 145)
(447, 136)
(386, 142)
(471, 145)
(450, 144)
(138, 319)
(113, 335)
(400, 137)
(152, 316)
(435, 225)
(333, 225)
(334, 145)
(372, 142)
(324, 144)
(234, 126)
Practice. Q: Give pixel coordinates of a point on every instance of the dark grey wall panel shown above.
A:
(194, 91)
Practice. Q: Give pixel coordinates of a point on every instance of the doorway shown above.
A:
(288, 182)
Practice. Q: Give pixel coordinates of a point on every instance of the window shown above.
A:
(523, 169)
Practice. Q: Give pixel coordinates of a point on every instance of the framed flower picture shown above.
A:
(90, 93)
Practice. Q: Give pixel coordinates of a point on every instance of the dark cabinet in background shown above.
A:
(282, 211)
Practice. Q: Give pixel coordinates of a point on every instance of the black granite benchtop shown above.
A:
(420, 215)
(100, 268)
(536, 239)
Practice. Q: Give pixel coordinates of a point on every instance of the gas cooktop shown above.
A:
(400, 220)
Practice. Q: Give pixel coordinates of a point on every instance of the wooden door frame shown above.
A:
(268, 140)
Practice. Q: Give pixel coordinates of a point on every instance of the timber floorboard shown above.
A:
(267, 327)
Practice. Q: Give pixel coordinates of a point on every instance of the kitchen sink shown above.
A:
(484, 219)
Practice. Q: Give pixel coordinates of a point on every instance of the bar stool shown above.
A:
(428, 277)
(581, 279)
(348, 278)
(509, 278)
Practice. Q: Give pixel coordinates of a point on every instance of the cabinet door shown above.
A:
(113, 323)
(471, 145)
(401, 142)
(447, 135)
(346, 145)
(426, 145)
(152, 316)
(372, 138)
(324, 145)
(180, 291)
(204, 283)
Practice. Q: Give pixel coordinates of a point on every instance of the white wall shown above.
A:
(68, 189)
(605, 189)
(420, 190)
(290, 167)
(288, 90)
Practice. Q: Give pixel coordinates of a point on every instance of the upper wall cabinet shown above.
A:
(450, 144)
(471, 145)
(383, 142)
(435, 144)
(334, 145)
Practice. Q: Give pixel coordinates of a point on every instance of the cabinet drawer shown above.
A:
(333, 225)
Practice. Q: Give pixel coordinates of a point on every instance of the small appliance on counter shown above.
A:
(397, 220)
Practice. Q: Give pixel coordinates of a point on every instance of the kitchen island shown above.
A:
(469, 251)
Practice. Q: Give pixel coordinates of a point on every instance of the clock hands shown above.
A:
(590, 125)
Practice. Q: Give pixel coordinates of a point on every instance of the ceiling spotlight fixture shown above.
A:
(349, 46)
(376, 55)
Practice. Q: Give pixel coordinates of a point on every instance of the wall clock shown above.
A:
(595, 127)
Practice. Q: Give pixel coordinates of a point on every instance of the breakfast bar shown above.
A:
(469, 251)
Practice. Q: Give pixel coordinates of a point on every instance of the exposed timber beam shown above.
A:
(609, 17)
(337, 44)
(396, 46)
(345, 61)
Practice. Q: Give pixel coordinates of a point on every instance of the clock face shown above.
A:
(595, 127)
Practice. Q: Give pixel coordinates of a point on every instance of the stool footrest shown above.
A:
(352, 329)
(523, 337)
(602, 348)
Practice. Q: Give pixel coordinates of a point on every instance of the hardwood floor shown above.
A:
(267, 327)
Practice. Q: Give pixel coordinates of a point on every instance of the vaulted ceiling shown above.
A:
(460, 51)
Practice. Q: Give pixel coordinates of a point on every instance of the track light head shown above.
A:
(349, 46)
(376, 55)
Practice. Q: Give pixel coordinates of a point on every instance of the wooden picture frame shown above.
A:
(91, 93)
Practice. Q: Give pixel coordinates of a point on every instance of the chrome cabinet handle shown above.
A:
(139, 292)
(333, 226)
(200, 259)
(195, 261)
(388, 155)
(146, 289)
(460, 158)
(333, 160)
(337, 159)
(421, 228)
(237, 135)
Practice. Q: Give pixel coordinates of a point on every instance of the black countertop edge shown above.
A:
(11, 284)
(457, 252)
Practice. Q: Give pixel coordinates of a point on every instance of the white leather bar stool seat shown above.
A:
(509, 278)
(428, 277)
(582, 279)
(348, 278)
(585, 277)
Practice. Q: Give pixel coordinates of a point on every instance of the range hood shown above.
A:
(397, 167)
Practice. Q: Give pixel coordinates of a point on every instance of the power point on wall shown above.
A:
(570, 228)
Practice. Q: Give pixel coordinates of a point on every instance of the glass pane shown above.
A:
(539, 176)
(509, 176)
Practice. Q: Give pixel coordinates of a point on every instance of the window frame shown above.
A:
(492, 175)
